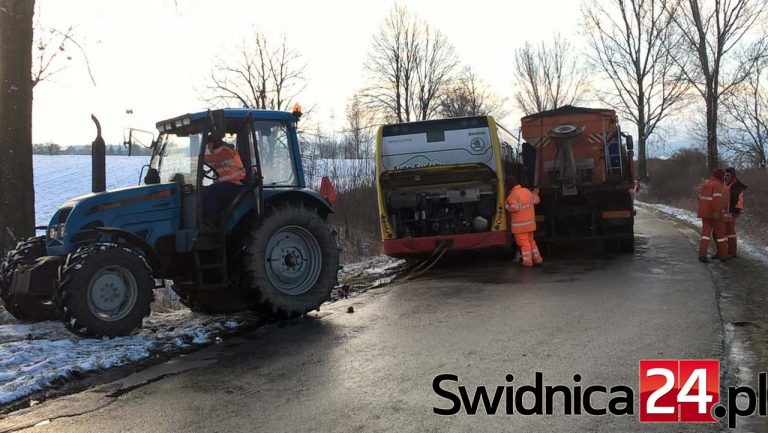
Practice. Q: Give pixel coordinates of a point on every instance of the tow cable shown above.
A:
(426, 264)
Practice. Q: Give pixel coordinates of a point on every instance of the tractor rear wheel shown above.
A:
(25, 310)
(105, 291)
(291, 261)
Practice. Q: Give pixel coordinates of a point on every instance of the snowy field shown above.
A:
(61, 177)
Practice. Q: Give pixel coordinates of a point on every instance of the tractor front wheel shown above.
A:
(105, 291)
(25, 310)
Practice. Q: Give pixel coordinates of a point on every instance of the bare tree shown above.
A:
(17, 194)
(548, 77)
(48, 148)
(53, 49)
(635, 45)
(469, 96)
(410, 67)
(745, 122)
(717, 35)
(359, 137)
(259, 76)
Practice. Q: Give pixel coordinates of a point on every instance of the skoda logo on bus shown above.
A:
(477, 144)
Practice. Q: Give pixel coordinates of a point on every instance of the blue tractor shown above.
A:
(267, 247)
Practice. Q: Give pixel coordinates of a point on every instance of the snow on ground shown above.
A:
(747, 245)
(367, 274)
(35, 357)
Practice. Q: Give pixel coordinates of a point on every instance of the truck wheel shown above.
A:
(291, 261)
(627, 245)
(24, 310)
(104, 291)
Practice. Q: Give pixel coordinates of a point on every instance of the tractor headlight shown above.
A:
(63, 230)
(52, 232)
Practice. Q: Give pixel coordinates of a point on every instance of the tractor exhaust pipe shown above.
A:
(98, 160)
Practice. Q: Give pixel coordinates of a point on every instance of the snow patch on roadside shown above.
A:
(39, 356)
(747, 246)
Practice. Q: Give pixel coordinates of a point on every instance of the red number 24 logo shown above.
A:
(678, 390)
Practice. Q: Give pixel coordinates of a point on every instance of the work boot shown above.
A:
(724, 259)
(703, 259)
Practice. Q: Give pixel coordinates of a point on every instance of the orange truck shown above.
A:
(581, 163)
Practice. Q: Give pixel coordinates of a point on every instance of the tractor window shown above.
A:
(275, 150)
(179, 158)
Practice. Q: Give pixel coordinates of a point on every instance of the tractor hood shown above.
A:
(150, 211)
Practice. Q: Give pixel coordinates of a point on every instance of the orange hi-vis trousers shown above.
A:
(528, 249)
(710, 226)
(730, 233)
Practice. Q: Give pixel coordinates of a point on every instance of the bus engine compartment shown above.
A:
(440, 211)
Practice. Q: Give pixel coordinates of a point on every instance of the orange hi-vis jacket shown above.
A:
(520, 202)
(227, 164)
(713, 200)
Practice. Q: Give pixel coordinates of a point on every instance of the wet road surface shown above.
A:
(478, 318)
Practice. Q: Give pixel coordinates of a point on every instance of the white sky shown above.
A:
(152, 55)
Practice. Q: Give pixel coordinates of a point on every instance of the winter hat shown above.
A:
(718, 174)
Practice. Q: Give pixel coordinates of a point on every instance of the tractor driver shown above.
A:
(230, 174)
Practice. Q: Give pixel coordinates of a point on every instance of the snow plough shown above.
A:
(581, 163)
(268, 247)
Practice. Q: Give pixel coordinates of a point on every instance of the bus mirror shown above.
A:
(630, 142)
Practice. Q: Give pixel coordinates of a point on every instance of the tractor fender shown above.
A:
(303, 195)
(138, 242)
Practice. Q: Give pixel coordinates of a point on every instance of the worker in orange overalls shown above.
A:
(230, 174)
(735, 208)
(713, 210)
(520, 203)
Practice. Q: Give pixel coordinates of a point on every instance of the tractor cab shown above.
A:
(235, 233)
(266, 147)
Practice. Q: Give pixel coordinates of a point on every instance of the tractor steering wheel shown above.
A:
(210, 173)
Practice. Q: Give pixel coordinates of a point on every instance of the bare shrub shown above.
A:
(674, 180)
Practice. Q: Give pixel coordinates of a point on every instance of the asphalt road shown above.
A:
(479, 318)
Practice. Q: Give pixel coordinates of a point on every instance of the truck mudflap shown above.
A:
(38, 279)
(428, 244)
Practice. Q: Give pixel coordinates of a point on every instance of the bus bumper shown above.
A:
(426, 245)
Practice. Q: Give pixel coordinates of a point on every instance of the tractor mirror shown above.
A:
(152, 177)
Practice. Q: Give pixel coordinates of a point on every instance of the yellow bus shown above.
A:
(441, 184)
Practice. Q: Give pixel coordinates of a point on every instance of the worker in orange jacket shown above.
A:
(520, 204)
(713, 210)
(735, 207)
(229, 174)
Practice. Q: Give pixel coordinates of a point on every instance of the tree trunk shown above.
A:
(17, 194)
(642, 167)
(711, 113)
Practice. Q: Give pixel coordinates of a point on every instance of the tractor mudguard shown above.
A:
(299, 195)
(136, 241)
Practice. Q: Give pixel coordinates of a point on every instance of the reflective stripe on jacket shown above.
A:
(520, 204)
(226, 163)
(713, 198)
